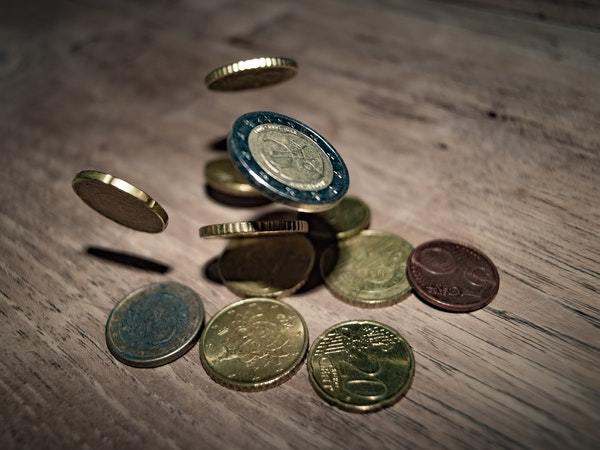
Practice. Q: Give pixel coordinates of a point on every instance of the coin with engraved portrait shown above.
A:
(251, 73)
(254, 344)
(154, 325)
(452, 276)
(287, 161)
(368, 269)
(361, 366)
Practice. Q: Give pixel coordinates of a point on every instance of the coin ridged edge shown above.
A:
(359, 408)
(263, 62)
(253, 228)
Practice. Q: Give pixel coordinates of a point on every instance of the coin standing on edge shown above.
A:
(120, 201)
(348, 218)
(271, 267)
(222, 176)
(251, 73)
(452, 276)
(253, 228)
(287, 161)
(254, 344)
(367, 270)
(155, 324)
(361, 366)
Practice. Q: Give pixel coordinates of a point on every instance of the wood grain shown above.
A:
(455, 121)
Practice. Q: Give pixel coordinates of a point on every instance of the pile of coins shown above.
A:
(260, 341)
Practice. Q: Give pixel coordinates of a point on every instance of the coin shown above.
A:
(452, 276)
(266, 267)
(254, 344)
(287, 161)
(361, 366)
(348, 218)
(368, 269)
(253, 228)
(251, 73)
(222, 176)
(120, 201)
(154, 325)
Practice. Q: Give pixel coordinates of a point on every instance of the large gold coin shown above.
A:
(253, 228)
(361, 366)
(368, 269)
(266, 267)
(254, 344)
(222, 176)
(251, 73)
(348, 218)
(120, 201)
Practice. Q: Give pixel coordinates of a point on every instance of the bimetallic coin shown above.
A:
(348, 218)
(251, 73)
(367, 270)
(361, 366)
(254, 344)
(154, 325)
(120, 201)
(222, 176)
(452, 276)
(253, 228)
(287, 161)
(266, 267)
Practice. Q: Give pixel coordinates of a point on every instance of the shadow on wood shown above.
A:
(127, 259)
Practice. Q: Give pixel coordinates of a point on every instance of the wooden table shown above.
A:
(467, 120)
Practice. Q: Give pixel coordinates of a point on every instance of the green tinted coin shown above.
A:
(348, 218)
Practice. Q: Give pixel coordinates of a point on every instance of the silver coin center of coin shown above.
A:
(290, 157)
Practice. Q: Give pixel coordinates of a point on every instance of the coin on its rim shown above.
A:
(287, 161)
(254, 344)
(251, 73)
(120, 201)
(367, 270)
(452, 276)
(266, 267)
(155, 324)
(348, 218)
(361, 365)
(222, 176)
(253, 228)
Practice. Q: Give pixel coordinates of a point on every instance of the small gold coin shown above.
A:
(253, 228)
(367, 270)
(361, 366)
(266, 267)
(120, 201)
(348, 218)
(222, 176)
(254, 344)
(251, 73)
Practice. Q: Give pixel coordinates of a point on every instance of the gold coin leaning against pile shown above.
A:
(367, 270)
(266, 267)
(222, 176)
(253, 228)
(251, 73)
(348, 218)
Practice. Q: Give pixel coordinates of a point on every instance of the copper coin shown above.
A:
(452, 276)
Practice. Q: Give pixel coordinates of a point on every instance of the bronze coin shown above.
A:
(452, 276)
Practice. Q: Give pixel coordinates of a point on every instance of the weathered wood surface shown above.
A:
(455, 122)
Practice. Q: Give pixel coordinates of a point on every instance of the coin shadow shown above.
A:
(219, 144)
(235, 201)
(128, 259)
(210, 270)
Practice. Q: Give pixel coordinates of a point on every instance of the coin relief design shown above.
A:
(290, 157)
(361, 365)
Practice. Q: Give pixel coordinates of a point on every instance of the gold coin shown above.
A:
(120, 201)
(253, 228)
(266, 267)
(254, 344)
(361, 366)
(368, 269)
(348, 218)
(222, 176)
(251, 73)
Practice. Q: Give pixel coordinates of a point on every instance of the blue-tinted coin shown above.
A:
(287, 161)
(154, 325)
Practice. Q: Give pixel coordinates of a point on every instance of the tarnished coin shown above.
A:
(120, 201)
(251, 73)
(254, 344)
(361, 366)
(348, 218)
(287, 161)
(154, 325)
(222, 176)
(266, 267)
(452, 276)
(368, 269)
(253, 228)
